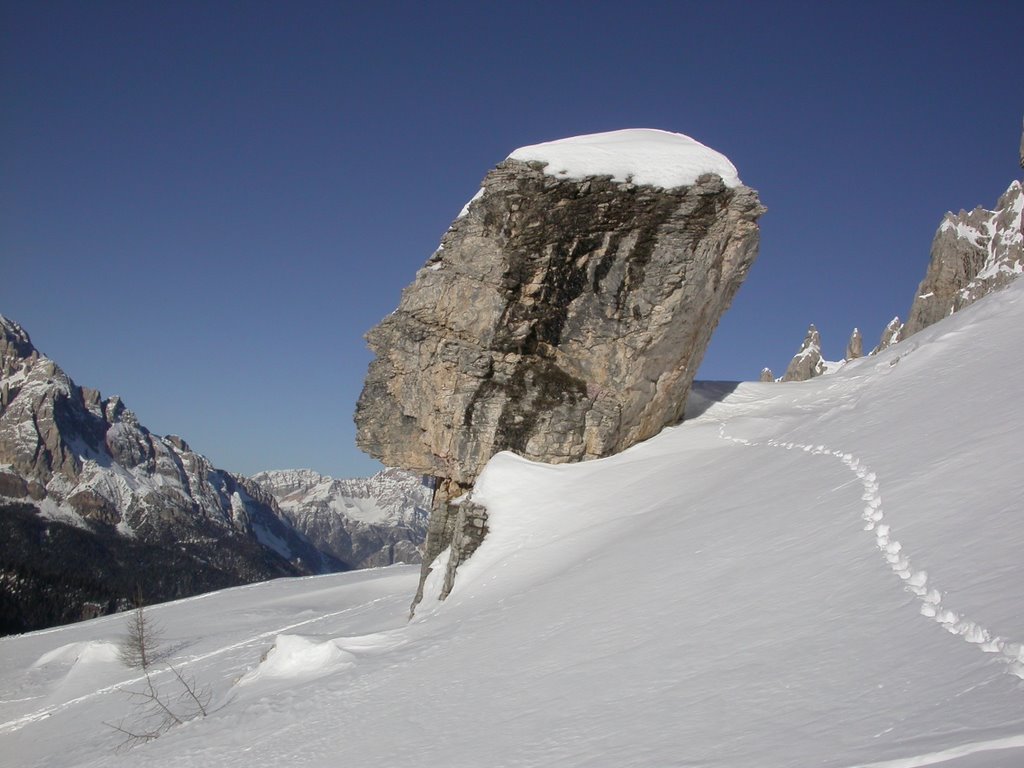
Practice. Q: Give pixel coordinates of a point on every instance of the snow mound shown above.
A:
(295, 656)
(638, 155)
(74, 669)
(92, 652)
(375, 642)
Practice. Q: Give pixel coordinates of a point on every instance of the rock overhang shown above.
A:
(574, 256)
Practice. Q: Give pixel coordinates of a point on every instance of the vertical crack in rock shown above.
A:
(561, 318)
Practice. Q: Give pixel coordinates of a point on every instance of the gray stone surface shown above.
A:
(972, 255)
(560, 319)
(767, 375)
(563, 320)
(807, 362)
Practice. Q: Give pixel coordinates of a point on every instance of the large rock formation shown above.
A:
(563, 316)
(807, 362)
(80, 474)
(972, 255)
(365, 522)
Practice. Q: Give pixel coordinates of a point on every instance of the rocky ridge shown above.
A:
(365, 522)
(563, 317)
(71, 458)
(972, 255)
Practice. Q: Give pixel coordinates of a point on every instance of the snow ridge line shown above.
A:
(41, 714)
(914, 581)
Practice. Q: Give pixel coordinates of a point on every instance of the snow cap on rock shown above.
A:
(642, 156)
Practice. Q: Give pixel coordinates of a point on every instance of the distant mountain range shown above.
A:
(95, 509)
(366, 522)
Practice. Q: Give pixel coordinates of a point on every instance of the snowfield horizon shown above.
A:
(825, 573)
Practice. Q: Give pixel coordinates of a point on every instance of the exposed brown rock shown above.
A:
(972, 255)
(563, 319)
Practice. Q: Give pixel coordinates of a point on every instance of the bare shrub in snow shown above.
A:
(165, 697)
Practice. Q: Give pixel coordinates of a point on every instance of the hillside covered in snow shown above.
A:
(824, 573)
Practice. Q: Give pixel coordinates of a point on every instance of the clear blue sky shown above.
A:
(204, 205)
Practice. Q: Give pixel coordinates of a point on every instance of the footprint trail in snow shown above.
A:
(915, 581)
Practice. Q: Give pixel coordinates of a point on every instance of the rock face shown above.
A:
(365, 522)
(71, 459)
(767, 375)
(807, 362)
(972, 255)
(565, 313)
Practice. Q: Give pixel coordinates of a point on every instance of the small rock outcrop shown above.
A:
(855, 346)
(892, 333)
(365, 522)
(767, 375)
(972, 255)
(563, 316)
(807, 362)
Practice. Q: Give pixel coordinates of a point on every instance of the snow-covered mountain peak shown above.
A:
(15, 339)
(390, 496)
(70, 457)
(366, 521)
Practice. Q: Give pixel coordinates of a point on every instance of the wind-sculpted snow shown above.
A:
(292, 658)
(915, 581)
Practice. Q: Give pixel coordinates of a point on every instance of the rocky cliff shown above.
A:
(564, 315)
(365, 522)
(972, 255)
(155, 514)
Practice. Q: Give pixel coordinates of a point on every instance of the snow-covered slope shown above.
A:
(823, 574)
(366, 521)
